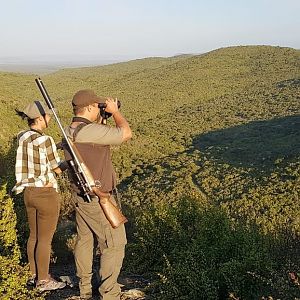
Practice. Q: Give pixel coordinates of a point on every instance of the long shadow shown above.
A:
(258, 144)
(190, 242)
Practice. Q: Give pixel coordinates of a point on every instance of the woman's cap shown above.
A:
(36, 109)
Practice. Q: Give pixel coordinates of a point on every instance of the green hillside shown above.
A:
(211, 178)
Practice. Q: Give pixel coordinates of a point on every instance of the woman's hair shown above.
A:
(24, 116)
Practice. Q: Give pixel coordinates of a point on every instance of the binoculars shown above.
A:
(105, 115)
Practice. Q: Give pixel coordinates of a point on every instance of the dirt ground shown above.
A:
(133, 286)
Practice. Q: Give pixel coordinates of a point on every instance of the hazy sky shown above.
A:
(140, 28)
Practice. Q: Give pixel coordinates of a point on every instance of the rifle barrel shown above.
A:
(50, 104)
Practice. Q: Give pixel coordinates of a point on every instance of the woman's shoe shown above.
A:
(49, 285)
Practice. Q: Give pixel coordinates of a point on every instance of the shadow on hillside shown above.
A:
(201, 244)
(258, 144)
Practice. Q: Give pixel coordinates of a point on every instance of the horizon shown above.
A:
(133, 29)
(44, 64)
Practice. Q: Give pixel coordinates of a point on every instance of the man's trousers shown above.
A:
(91, 221)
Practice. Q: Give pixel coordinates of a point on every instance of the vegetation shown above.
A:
(13, 276)
(211, 179)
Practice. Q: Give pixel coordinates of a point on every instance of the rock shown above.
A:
(133, 294)
(68, 280)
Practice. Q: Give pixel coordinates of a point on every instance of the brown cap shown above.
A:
(86, 97)
(36, 109)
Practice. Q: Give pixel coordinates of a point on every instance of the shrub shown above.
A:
(198, 253)
(13, 276)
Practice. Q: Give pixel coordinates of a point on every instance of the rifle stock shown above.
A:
(85, 180)
(111, 212)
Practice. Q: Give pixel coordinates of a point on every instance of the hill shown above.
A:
(222, 128)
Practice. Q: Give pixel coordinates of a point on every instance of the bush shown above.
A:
(13, 276)
(204, 255)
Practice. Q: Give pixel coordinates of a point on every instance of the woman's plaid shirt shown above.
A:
(36, 159)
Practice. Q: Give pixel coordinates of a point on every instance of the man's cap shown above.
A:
(86, 97)
(36, 109)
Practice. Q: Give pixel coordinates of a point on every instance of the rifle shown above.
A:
(83, 177)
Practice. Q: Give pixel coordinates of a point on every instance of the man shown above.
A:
(93, 141)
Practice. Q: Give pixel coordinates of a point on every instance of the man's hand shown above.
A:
(111, 105)
(121, 122)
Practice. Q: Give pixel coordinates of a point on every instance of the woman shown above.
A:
(37, 162)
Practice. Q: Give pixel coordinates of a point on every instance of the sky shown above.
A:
(82, 29)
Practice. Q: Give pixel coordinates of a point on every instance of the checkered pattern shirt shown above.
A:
(36, 159)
